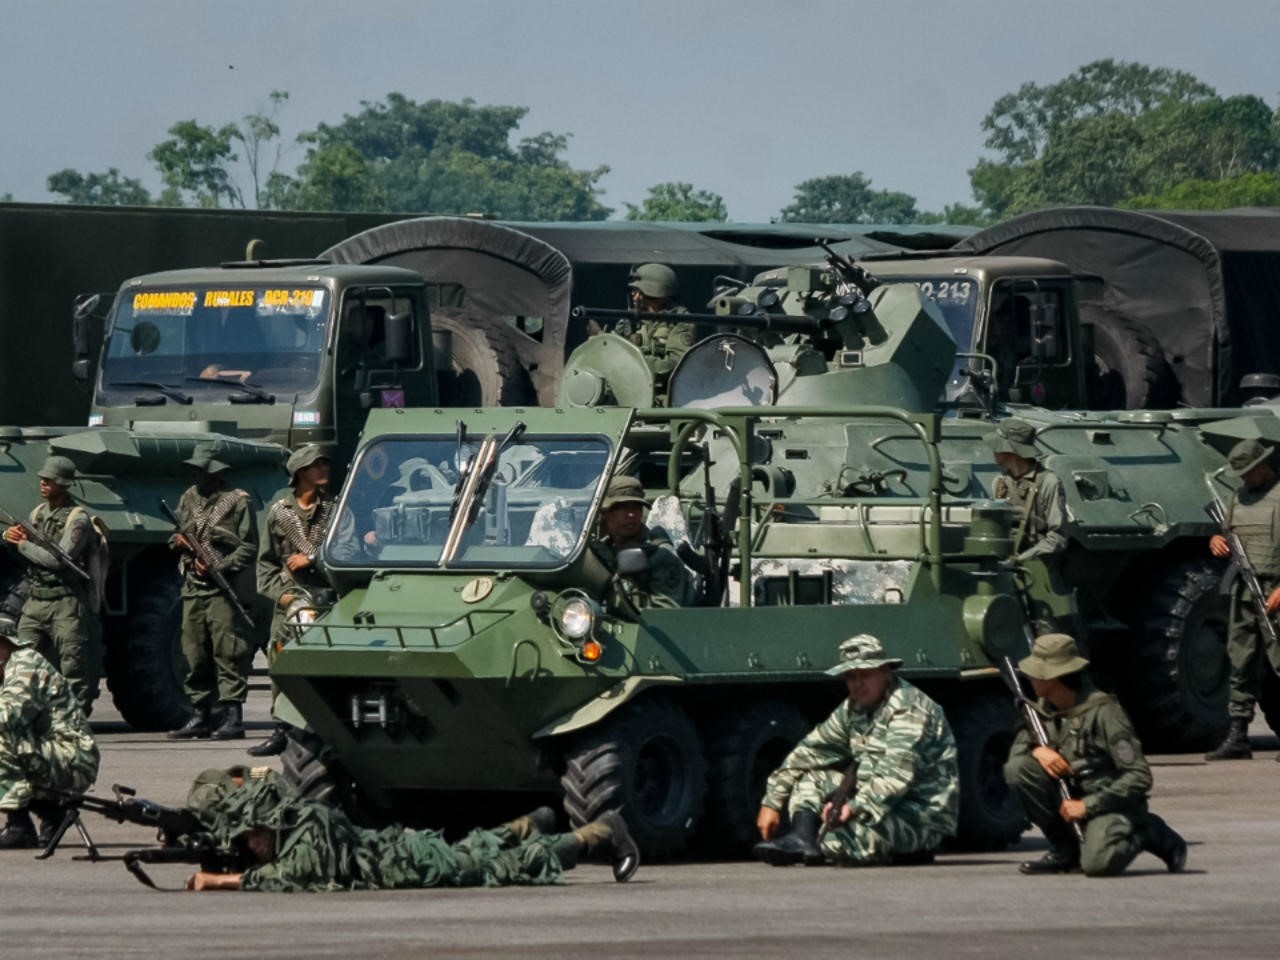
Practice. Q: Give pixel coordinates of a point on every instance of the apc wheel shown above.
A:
(309, 766)
(647, 763)
(745, 747)
(991, 817)
(485, 369)
(1132, 373)
(144, 662)
(1177, 683)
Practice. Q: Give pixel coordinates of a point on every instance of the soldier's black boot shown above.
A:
(274, 745)
(608, 834)
(1236, 744)
(232, 725)
(798, 846)
(1166, 843)
(50, 815)
(1057, 860)
(19, 832)
(198, 726)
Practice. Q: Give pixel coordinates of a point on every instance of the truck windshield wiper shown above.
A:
(172, 392)
(254, 391)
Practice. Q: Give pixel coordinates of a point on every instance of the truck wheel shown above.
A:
(745, 746)
(1131, 371)
(1175, 687)
(484, 369)
(991, 817)
(646, 762)
(144, 661)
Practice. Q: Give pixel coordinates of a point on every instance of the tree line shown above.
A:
(1112, 133)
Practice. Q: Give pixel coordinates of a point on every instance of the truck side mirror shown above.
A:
(632, 562)
(399, 342)
(85, 334)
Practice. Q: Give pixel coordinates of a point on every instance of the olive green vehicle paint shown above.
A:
(255, 358)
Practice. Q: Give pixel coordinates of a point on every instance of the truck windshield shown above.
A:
(201, 339)
(534, 514)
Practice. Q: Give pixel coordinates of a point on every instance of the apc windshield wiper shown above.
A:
(172, 392)
(256, 392)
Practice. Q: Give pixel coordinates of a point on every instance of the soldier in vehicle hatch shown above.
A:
(668, 582)
(654, 289)
(1040, 506)
(218, 651)
(1254, 516)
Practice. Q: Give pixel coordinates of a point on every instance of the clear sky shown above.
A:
(746, 98)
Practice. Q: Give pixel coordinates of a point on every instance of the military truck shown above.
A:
(255, 357)
(822, 489)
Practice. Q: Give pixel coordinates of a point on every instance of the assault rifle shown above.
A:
(1035, 727)
(210, 561)
(44, 543)
(1241, 561)
(842, 794)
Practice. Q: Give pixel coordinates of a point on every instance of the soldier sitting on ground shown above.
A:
(45, 742)
(296, 844)
(1093, 741)
(667, 582)
(905, 797)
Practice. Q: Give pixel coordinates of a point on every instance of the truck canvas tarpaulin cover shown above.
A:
(1203, 286)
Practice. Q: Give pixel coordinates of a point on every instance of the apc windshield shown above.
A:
(268, 336)
(534, 512)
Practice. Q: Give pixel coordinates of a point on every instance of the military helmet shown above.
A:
(1014, 436)
(59, 470)
(304, 457)
(623, 490)
(655, 280)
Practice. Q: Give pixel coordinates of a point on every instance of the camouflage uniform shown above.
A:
(317, 848)
(669, 583)
(1254, 515)
(908, 795)
(214, 641)
(45, 741)
(58, 617)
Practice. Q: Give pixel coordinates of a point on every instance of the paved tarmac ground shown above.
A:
(963, 905)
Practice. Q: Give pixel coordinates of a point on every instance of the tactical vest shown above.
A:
(1021, 494)
(46, 584)
(1253, 517)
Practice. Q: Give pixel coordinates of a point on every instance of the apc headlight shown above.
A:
(577, 619)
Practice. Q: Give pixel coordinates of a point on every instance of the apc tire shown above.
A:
(144, 662)
(990, 817)
(484, 369)
(308, 765)
(647, 763)
(1131, 372)
(1179, 676)
(745, 746)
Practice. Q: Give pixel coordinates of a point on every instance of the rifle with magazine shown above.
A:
(44, 543)
(209, 560)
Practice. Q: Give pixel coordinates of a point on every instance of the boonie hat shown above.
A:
(304, 457)
(654, 280)
(1246, 455)
(623, 490)
(202, 458)
(58, 470)
(863, 652)
(1014, 436)
(1053, 655)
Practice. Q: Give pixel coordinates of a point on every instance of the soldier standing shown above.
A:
(1254, 516)
(668, 582)
(59, 618)
(1040, 506)
(45, 742)
(214, 639)
(905, 795)
(1092, 741)
(288, 556)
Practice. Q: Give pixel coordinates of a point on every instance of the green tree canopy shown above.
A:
(442, 157)
(848, 198)
(1113, 130)
(110, 188)
(679, 201)
(1245, 190)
